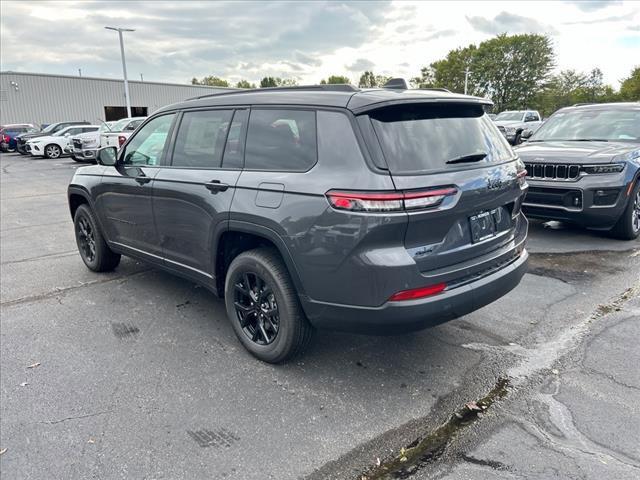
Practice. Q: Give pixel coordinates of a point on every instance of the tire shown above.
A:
(628, 225)
(95, 253)
(518, 139)
(276, 337)
(52, 151)
(76, 159)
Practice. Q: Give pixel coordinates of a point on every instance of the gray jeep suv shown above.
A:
(322, 206)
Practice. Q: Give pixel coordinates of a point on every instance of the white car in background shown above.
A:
(83, 147)
(53, 146)
(120, 131)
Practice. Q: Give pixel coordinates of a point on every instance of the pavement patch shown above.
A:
(216, 439)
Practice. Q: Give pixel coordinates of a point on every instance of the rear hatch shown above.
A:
(454, 148)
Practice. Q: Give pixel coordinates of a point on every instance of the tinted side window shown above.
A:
(147, 146)
(201, 138)
(282, 140)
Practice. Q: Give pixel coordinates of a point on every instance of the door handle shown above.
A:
(143, 179)
(215, 186)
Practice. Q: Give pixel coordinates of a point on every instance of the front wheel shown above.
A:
(52, 151)
(263, 306)
(628, 226)
(94, 251)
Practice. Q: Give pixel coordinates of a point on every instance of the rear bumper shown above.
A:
(404, 316)
(591, 202)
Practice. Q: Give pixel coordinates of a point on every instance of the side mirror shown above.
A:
(107, 156)
(67, 134)
(526, 134)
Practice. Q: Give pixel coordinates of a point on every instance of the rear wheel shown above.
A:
(52, 151)
(628, 226)
(95, 252)
(263, 307)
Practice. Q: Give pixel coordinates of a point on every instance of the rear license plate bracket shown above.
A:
(483, 225)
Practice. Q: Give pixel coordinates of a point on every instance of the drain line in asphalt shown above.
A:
(423, 452)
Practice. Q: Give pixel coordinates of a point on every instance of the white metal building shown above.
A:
(42, 98)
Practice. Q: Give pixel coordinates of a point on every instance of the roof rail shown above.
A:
(335, 87)
(437, 89)
(582, 104)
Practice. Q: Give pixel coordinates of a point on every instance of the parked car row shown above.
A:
(10, 133)
(79, 139)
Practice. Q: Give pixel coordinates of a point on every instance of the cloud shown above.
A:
(593, 5)
(360, 65)
(509, 23)
(306, 59)
(439, 34)
(612, 18)
(175, 41)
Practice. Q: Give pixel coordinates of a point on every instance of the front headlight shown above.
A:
(510, 130)
(607, 168)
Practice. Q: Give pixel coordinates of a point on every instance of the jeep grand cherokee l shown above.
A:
(325, 206)
(583, 167)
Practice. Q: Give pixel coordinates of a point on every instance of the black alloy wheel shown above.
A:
(86, 239)
(256, 309)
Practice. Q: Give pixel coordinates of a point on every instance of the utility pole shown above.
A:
(141, 78)
(124, 66)
(80, 72)
(467, 72)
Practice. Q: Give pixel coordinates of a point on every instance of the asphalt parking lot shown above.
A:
(137, 374)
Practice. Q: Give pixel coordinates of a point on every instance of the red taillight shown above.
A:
(388, 201)
(121, 140)
(415, 293)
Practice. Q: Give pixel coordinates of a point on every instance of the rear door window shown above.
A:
(281, 140)
(201, 138)
(421, 138)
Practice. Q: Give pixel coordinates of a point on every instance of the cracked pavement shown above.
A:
(141, 376)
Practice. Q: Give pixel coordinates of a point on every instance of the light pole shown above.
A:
(124, 66)
(467, 72)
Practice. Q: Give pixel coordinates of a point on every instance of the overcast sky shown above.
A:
(176, 40)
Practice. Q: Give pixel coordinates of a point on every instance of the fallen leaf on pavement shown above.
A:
(91, 440)
(377, 461)
(2, 450)
(34, 365)
(24, 384)
(555, 371)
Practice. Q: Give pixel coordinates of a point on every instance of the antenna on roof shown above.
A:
(397, 84)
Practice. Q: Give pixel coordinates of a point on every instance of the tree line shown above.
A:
(514, 71)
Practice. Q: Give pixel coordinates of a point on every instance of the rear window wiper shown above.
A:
(472, 157)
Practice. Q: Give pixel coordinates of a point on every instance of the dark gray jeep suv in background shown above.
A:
(584, 168)
(375, 211)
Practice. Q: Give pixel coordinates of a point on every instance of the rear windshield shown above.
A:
(421, 138)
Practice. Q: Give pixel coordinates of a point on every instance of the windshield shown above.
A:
(592, 124)
(419, 138)
(49, 128)
(120, 124)
(106, 127)
(61, 132)
(509, 116)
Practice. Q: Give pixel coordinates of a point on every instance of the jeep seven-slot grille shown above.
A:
(552, 171)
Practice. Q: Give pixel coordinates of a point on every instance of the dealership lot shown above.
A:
(138, 374)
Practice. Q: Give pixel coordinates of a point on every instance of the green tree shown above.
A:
(630, 86)
(370, 80)
(245, 84)
(449, 72)
(277, 82)
(211, 81)
(335, 79)
(512, 69)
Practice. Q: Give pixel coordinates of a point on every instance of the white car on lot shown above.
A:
(83, 147)
(120, 131)
(53, 146)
